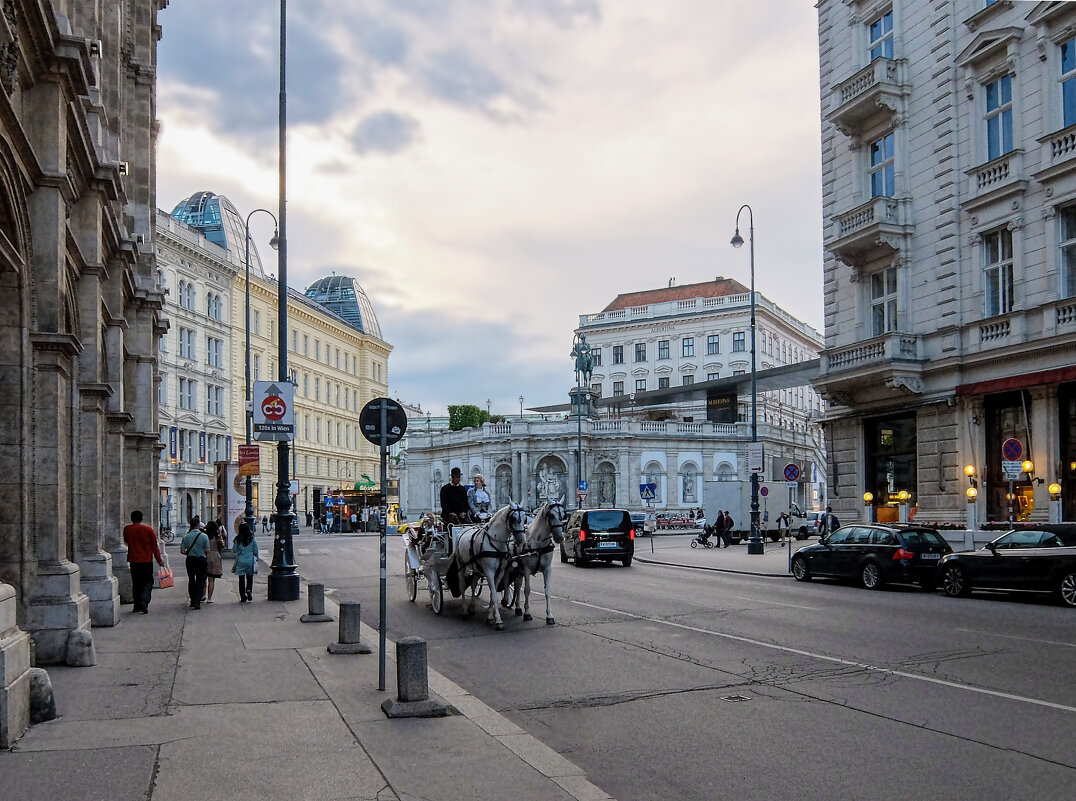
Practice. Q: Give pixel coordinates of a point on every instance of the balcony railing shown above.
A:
(996, 180)
(1057, 155)
(886, 348)
(873, 93)
(870, 230)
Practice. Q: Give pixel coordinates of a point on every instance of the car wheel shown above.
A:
(954, 582)
(1067, 590)
(626, 561)
(563, 555)
(799, 569)
(870, 576)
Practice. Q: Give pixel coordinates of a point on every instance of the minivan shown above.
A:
(599, 535)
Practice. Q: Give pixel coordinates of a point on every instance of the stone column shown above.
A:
(14, 671)
(1044, 447)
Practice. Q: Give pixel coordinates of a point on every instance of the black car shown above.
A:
(874, 555)
(1039, 560)
(599, 534)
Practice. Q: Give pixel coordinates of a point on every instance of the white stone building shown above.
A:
(660, 355)
(949, 202)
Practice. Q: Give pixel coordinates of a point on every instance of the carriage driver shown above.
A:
(454, 507)
(478, 500)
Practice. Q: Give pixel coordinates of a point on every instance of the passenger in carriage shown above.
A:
(478, 500)
(454, 507)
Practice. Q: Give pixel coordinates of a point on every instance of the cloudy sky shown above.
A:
(491, 169)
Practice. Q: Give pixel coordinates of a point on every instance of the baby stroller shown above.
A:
(703, 538)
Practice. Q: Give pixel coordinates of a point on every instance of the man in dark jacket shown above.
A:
(454, 507)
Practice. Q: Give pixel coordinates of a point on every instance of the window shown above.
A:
(881, 169)
(997, 273)
(214, 400)
(256, 369)
(306, 345)
(317, 389)
(640, 385)
(186, 394)
(618, 388)
(687, 346)
(162, 390)
(712, 376)
(317, 349)
(618, 354)
(338, 358)
(1068, 83)
(688, 380)
(713, 344)
(1068, 251)
(663, 349)
(739, 372)
(880, 36)
(596, 389)
(214, 307)
(215, 351)
(256, 321)
(187, 349)
(640, 351)
(596, 353)
(883, 301)
(998, 117)
(306, 385)
(663, 382)
(739, 342)
(186, 295)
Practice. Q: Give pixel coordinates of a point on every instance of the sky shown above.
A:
(489, 170)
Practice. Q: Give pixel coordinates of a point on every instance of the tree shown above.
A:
(468, 416)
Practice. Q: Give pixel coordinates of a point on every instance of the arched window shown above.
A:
(726, 472)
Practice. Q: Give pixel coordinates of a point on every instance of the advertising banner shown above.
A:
(721, 407)
(249, 460)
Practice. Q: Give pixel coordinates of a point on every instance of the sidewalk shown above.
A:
(243, 701)
(676, 550)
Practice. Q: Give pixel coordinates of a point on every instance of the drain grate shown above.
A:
(734, 698)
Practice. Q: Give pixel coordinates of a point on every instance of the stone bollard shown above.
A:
(42, 701)
(315, 594)
(413, 684)
(80, 650)
(350, 624)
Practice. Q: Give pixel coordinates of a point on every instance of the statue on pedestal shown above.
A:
(584, 362)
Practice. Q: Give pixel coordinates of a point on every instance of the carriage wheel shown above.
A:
(437, 594)
(411, 577)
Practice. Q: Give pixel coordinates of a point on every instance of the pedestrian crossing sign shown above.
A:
(648, 491)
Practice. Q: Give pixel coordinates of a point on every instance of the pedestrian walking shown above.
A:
(726, 529)
(783, 522)
(828, 523)
(214, 562)
(141, 541)
(246, 561)
(194, 546)
(309, 519)
(265, 524)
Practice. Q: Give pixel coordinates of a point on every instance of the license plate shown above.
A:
(930, 556)
(608, 544)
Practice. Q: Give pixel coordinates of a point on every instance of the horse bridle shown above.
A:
(516, 527)
(549, 547)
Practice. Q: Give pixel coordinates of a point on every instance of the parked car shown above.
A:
(1034, 560)
(638, 522)
(599, 534)
(874, 555)
(809, 526)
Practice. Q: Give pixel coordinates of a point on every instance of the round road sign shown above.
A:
(792, 472)
(763, 491)
(1011, 449)
(274, 408)
(370, 421)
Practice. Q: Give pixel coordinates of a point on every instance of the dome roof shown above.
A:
(218, 220)
(342, 295)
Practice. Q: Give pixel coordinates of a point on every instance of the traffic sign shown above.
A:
(1012, 468)
(1012, 449)
(763, 491)
(754, 457)
(792, 472)
(583, 486)
(582, 496)
(371, 426)
(648, 491)
(273, 412)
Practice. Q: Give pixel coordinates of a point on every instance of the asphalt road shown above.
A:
(665, 683)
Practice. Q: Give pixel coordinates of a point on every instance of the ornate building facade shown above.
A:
(949, 201)
(80, 323)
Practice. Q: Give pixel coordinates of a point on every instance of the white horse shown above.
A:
(482, 552)
(544, 533)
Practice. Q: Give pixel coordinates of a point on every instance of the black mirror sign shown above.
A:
(395, 421)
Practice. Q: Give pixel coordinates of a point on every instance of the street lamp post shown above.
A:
(754, 545)
(274, 243)
(520, 407)
(284, 580)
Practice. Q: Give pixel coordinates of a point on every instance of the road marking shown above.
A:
(834, 659)
(1022, 639)
(303, 551)
(775, 603)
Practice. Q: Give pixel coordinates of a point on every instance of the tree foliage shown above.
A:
(470, 416)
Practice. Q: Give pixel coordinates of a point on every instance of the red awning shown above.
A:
(1056, 376)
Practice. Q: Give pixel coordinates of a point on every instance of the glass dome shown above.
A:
(342, 295)
(218, 220)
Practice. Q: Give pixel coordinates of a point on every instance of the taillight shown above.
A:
(903, 553)
(631, 534)
(582, 534)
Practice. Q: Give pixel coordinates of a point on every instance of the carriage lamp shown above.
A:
(867, 498)
(969, 471)
(1055, 491)
(903, 496)
(1028, 466)
(972, 494)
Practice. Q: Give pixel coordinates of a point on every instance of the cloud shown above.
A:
(564, 13)
(385, 132)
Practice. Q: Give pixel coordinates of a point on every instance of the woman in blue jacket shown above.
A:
(246, 561)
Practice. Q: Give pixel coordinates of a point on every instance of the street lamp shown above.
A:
(489, 406)
(274, 243)
(520, 407)
(284, 580)
(754, 545)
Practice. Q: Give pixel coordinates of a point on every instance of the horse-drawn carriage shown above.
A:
(500, 554)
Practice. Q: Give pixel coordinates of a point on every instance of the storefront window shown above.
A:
(1007, 417)
(890, 445)
(1066, 403)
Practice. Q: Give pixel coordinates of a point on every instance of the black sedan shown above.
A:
(1034, 560)
(874, 555)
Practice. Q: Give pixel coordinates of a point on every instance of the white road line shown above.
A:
(775, 603)
(836, 660)
(1022, 639)
(303, 551)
